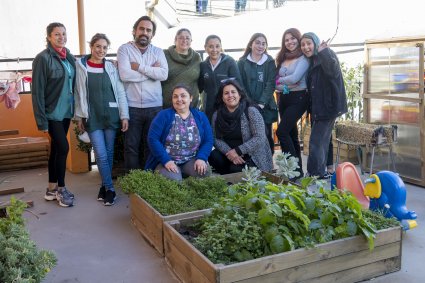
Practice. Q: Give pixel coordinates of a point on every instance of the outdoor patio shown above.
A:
(94, 243)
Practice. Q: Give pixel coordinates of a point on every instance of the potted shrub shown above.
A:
(21, 260)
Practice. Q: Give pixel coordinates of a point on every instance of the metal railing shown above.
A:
(235, 53)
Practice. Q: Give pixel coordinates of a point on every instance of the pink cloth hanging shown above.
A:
(9, 93)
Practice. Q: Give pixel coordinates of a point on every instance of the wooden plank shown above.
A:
(8, 132)
(291, 259)
(328, 266)
(10, 167)
(12, 191)
(184, 268)
(191, 215)
(11, 149)
(176, 243)
(146, 210)
(361, 273)
(151, 236)
(23, 160)
(24, 154)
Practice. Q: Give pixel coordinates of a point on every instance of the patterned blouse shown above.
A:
(183, 140)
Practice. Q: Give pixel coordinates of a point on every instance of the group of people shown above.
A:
(179, 113)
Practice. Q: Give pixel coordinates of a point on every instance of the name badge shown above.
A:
(113, 104)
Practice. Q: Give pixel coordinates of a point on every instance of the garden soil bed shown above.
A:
(343, 260)
(149, 222)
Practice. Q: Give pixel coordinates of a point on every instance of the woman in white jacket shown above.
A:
(100, 109)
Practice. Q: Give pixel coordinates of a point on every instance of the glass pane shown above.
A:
(406, 152)
(384, 111)
(394, 71)
(379, 70)
(404, 68)
(407, 149)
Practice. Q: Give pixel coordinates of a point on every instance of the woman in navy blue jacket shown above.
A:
(328, 99)
(180, 139)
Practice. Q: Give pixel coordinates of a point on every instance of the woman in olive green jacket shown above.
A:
(183, 68)
(258, 72)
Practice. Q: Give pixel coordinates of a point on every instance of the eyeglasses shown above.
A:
(228, 80)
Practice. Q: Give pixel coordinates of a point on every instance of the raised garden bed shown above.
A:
(149, 221)
(343, 260)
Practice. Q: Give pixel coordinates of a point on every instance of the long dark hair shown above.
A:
(280, 57)
(51, 27)
(219, 97)
(248, 48)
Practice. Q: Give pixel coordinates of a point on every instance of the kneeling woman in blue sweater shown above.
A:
(180, 139)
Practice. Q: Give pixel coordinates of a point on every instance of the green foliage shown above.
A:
(379, 221)
(288, 216)
(287, 166)
(353, 77)
(171, 197)
(81, 146)
(20, 259)
(233, 237)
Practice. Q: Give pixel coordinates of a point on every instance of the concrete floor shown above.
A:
(94, 243)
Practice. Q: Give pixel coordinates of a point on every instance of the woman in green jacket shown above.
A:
(53, 82)
(258, 71)
(183, 67)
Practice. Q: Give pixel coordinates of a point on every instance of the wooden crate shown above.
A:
(149, 222)
(344, 260)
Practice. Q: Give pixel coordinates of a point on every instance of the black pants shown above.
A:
(222, 165)
(291, 108)
(59, 148)
(330, 159)
(269, 135)
(136, 149)
(321, 132)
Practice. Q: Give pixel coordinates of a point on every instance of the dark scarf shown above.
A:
(293, 54)
(228, 122)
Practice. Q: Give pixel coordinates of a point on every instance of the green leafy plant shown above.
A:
(353, 78)
(21, 260)
(286, 216)
(171, 197)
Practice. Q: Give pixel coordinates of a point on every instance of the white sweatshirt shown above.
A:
(143, 87)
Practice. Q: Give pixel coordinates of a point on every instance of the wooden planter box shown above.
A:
(344, 260)
(149, 222)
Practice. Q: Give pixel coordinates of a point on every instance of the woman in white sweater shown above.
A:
(100, 109)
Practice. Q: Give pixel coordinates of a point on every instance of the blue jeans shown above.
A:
(103, 146)
(136, 137)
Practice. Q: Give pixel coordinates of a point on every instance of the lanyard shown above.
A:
(68, 67)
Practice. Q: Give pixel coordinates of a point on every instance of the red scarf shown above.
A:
(61, 52)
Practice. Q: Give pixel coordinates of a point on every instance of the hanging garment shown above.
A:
(9, 93)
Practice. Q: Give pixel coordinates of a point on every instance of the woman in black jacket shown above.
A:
(328, 99)
(216, 68)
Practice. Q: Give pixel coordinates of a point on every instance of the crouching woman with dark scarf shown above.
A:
(239, 131)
